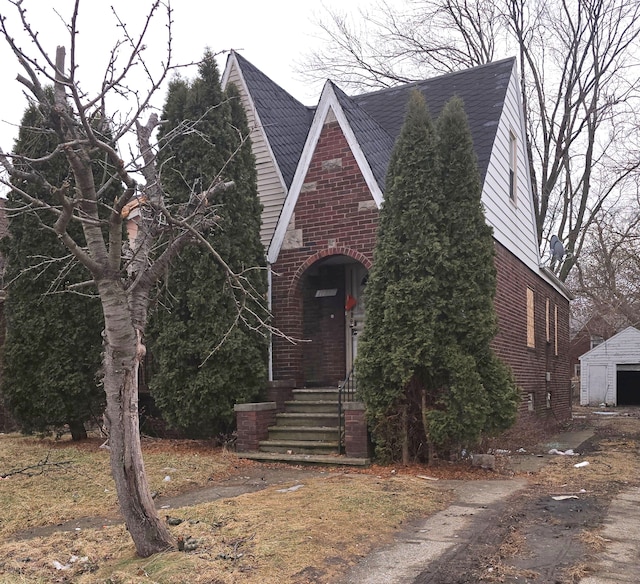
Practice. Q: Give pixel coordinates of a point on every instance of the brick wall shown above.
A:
(531, 365)
(253, 421)
(336, 217)
(356, 435)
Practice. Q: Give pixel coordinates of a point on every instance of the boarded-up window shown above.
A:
(531, 326)
(548, 322)
(555, 328)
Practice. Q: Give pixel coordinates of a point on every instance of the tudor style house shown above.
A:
(321, 179)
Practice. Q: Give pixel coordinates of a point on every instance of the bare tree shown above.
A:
(607, 277)
(122, 272)
(579, 80)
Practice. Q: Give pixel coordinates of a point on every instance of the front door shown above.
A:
(356, 280)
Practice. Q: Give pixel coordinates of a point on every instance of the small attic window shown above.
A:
(513, 159)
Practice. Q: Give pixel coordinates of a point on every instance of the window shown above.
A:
(576, 370)
(531, 330)
(555, 329)
(513, 157)
(548, 322)
(596, 340)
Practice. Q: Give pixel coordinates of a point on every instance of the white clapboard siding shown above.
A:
(600, 365)
(270, 184)
(513, 222)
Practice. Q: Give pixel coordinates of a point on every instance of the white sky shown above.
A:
(273, 35)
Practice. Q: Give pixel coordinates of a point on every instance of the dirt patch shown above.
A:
(248, 530)
(528, 538)
(550, 535)
(549, 532)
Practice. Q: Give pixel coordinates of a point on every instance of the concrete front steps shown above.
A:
(319, 459)
(309, 424)
(308, 431)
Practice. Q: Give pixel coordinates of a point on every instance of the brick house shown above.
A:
(321, 175)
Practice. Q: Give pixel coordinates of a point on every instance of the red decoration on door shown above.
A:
(350, 303)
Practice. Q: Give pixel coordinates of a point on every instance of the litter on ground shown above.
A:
(290, 489)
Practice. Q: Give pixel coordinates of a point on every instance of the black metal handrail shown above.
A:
(347, 391)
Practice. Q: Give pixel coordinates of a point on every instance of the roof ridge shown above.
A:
(244, 61)
(436, 78)
(375, 141)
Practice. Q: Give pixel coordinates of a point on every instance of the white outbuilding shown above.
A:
(610, 372)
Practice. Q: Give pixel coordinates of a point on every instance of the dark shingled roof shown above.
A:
(285, 120)
(482, 89)
(376, 118)
(375, 142)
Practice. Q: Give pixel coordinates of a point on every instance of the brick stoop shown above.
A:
(308, 431)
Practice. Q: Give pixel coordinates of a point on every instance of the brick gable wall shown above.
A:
(335, 215)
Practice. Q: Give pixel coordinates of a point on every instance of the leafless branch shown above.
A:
(38, 469)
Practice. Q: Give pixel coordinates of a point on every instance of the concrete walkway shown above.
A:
(476, 503)
(429, 540)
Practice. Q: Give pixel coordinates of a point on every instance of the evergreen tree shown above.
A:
(425, 366)
(469, 282)
(53, 344)
(206, 135)
(402, 304)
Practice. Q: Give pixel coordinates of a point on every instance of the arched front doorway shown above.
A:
(333, 318)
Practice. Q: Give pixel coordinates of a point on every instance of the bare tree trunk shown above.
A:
(425, 424)
(405, 435)
(78, 431)
(123, 353)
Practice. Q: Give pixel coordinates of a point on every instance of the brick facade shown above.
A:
(538, 370)
(334, 216)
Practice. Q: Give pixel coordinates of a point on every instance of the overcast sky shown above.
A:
(273, 35)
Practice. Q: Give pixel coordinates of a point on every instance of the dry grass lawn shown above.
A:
(264, 537)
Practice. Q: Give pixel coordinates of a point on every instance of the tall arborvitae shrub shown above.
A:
(205, 358)
(52, 351)
(425, 367)
(468, 286)
(402, 305)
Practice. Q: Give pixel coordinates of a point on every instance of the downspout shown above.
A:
(269, 282)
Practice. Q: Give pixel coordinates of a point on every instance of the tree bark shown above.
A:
(431, 451)
(122, 356)
(78, 431)
(405, 435)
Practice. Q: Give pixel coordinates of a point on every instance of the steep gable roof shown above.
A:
(374, 140)
(482, 89)
(377, 117)
(285, 120)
